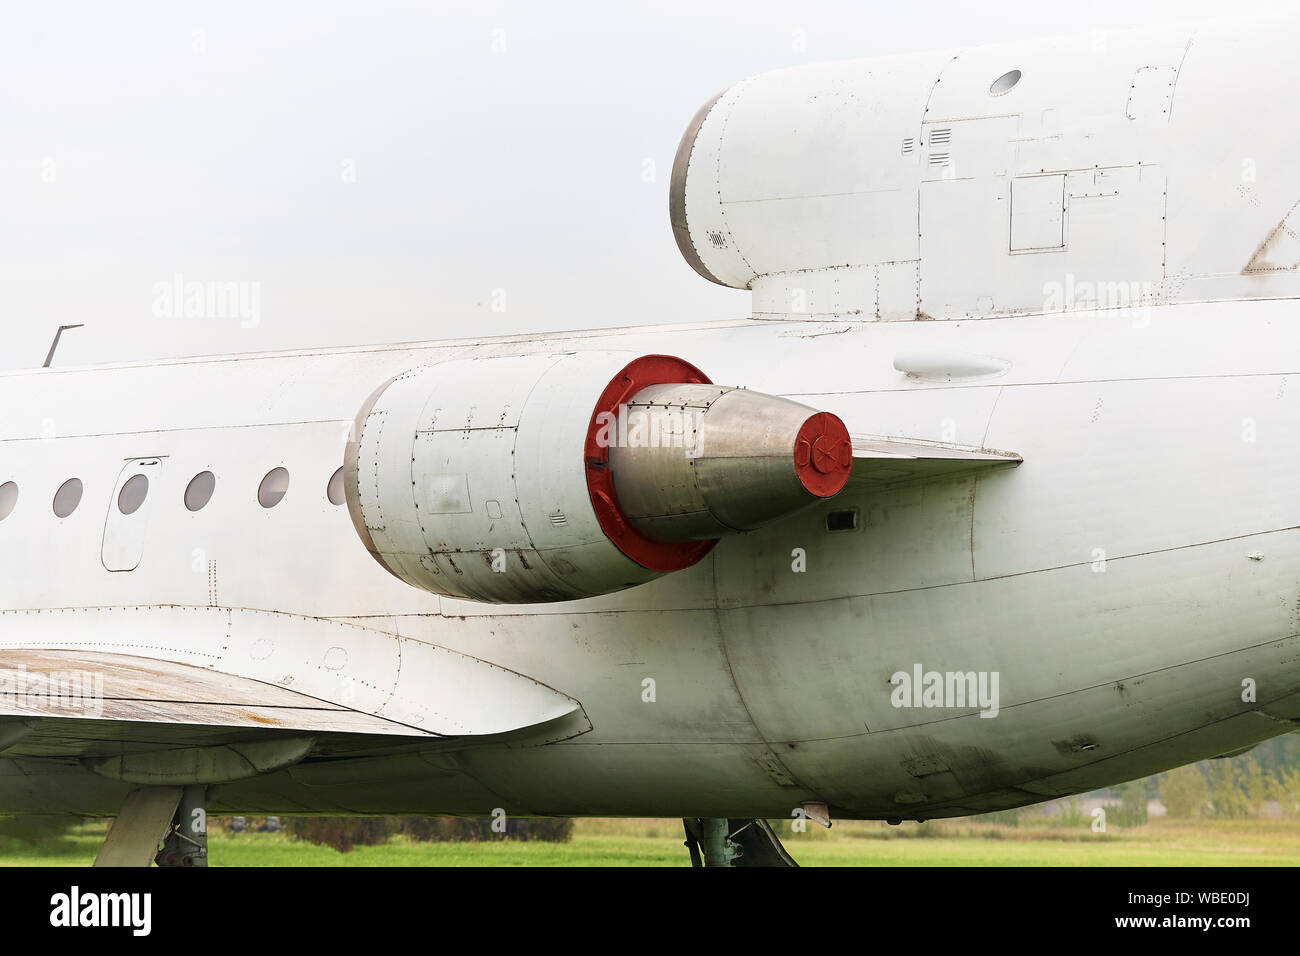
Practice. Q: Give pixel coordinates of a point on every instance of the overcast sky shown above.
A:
(372, 172)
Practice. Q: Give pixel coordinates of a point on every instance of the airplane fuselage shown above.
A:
(1131, 590)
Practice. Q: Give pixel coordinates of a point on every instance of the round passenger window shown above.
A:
(132, 495)
(334, 490)
(67, 497)
(273, 487)
(199, 491)
(1005, 83)
(8, 498)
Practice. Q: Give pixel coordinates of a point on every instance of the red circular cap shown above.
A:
(655, 555)
(823, 454)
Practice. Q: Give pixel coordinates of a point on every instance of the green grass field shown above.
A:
(659, 843)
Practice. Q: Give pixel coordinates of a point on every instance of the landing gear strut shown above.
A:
(186, 843)
(175, 817)
(734, 841)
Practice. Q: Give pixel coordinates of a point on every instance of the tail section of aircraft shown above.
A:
(609, 586)
(1117, 170)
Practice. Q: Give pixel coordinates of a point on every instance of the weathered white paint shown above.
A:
(1138, 167)
(1133, 443)
(1123, 582)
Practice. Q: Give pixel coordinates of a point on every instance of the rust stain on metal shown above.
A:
(1274, 242)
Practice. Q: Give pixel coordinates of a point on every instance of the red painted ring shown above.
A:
(654, 555)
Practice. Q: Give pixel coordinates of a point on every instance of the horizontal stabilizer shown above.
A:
(885, 461)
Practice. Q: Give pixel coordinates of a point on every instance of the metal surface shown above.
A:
(677, 192)
(697, 462)
(469, 479)
(58, 335)
(125, 534)
(956, 562)
(139, 827)
(337, 673)
(187, 766)
(607, 433)
(908, 187)
(186, 842)
(881, 461)
(735, 842)
(1121, 582)
(716, 845)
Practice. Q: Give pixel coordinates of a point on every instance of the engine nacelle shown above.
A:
(534, 478)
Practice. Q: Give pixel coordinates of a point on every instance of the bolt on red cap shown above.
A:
(823, 454)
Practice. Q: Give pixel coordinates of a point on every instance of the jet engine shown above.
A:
(533, 478)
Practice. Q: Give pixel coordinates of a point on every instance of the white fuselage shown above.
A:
(1122, 583)
(1084, 252)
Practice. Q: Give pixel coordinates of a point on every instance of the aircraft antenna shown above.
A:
(55, 344)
